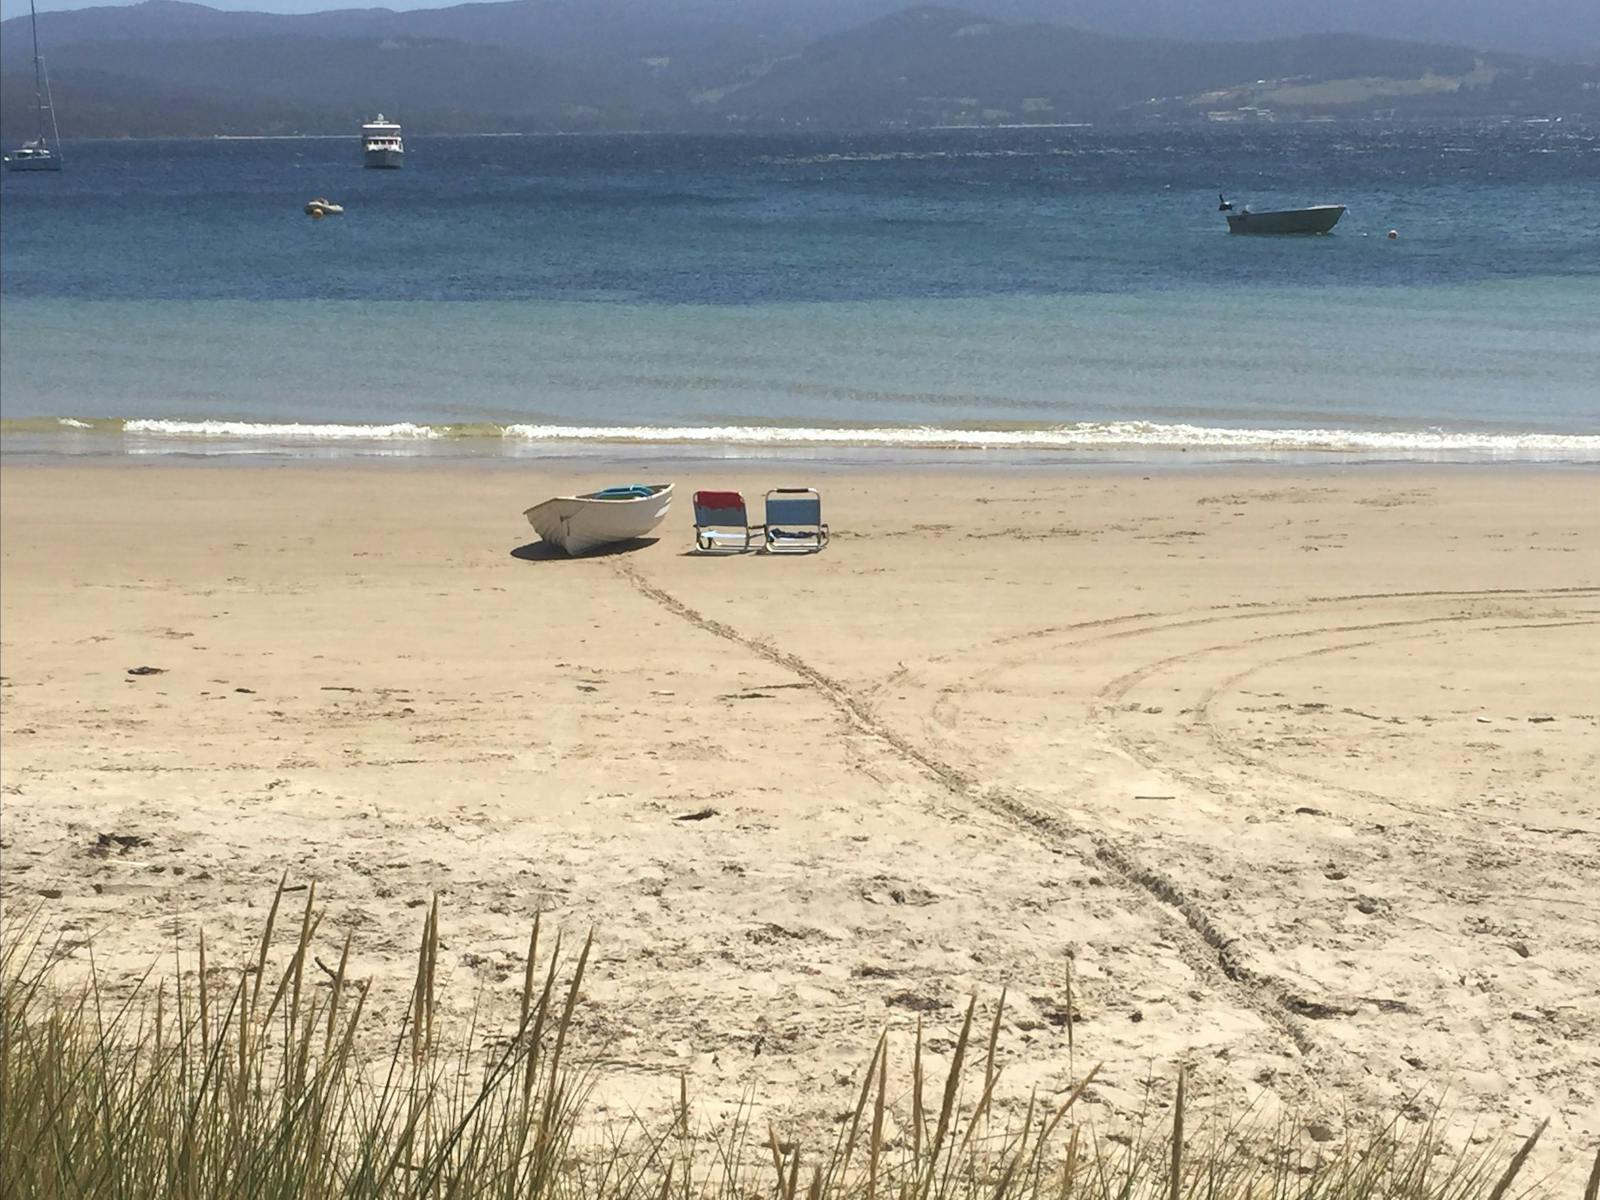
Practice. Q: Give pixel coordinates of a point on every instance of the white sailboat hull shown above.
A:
(583, 524)
(15, 162)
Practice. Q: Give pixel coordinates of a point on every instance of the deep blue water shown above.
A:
(1031, 278)
(751, 219)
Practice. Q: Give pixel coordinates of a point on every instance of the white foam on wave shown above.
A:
(282, 432)
(1108, 435)
(1111, 435)
(73, 423)
(875, 156)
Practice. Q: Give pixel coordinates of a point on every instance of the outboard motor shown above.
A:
(1222, 203)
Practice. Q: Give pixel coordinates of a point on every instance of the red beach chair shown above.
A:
(721, 523)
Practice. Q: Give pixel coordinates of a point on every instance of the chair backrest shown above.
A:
(720, 508)
(794, 506)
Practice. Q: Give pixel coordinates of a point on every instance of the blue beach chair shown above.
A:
(794, 521)
(721, 523)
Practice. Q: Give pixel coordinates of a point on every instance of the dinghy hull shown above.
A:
(583, 524)
(1318, 219)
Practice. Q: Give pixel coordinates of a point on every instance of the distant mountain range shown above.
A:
(168, 68)
(1563, 30)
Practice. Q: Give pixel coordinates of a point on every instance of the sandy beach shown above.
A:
(1297, 767)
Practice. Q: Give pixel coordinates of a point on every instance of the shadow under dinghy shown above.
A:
(583, 524)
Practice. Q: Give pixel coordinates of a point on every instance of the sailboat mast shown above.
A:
(38, 71)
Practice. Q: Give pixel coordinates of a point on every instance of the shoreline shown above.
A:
(597, 461)
(241, 443)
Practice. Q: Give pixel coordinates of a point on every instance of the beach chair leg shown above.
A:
(711, 542)
(776, 544)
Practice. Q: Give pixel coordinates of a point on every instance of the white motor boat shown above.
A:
(381, 145)
(582, 524)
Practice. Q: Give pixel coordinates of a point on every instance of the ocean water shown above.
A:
(1064, 290)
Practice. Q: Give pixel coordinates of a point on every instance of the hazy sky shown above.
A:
(11, 8)
(14, 8)
(19, 8)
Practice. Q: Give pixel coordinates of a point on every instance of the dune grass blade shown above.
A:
(1175, 1188)
(876, 1148)
(918, 1117)
(1072, 1068)
(952, 1085)
(1517, 1160)
(1069, 1168)
(777, 1154)
(842, 1162)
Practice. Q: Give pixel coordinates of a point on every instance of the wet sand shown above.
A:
(1298, 767)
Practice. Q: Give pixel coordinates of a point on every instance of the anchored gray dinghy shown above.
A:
(1319, 218)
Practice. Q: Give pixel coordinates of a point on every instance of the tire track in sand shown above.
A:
(1229, 744)
(1080, 635)
(1104, 705)
(1211, 946)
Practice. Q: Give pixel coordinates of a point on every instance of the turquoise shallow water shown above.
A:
(1063, 289)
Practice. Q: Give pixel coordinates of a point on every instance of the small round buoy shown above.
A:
(1393, 234)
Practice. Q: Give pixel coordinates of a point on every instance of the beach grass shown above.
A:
(259, 1079)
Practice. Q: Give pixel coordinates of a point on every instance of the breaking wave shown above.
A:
(1099, 436)
(280, 432)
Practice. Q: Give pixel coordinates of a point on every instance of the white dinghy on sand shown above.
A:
(583, 524)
